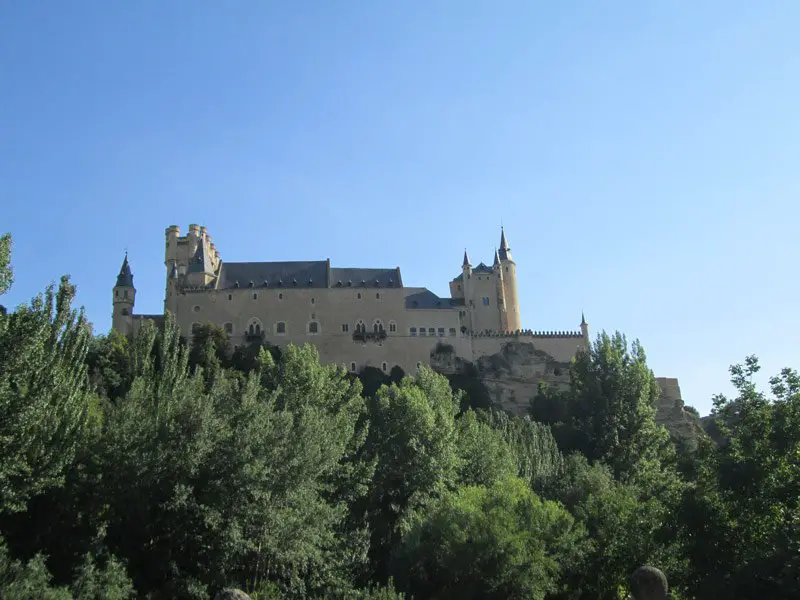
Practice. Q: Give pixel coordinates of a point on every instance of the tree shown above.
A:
(412, 441)
(485, 457)
(42, 394)
(741, 517)
(6, 270)
(612, 404)
(488, 542)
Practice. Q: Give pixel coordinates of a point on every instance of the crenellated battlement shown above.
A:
(527, 333)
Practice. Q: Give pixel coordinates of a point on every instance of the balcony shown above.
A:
(369, 336)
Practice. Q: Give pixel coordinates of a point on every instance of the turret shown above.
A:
(584, 328)
(124, 299)
(509, 272)
(201, 269)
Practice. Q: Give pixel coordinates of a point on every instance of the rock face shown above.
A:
(670, 413)
(512, 377)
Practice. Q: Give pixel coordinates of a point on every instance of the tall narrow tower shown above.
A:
(124, 300)
(509, 271)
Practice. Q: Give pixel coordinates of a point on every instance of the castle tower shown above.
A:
(124, 300)
(509, 272)
(584, 328)
(172, 234)
(501, 295)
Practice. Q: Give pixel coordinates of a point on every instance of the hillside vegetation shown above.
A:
(153, 468)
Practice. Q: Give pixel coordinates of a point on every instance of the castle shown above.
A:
(356, 317)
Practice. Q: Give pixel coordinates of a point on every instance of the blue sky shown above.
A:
(643, 156)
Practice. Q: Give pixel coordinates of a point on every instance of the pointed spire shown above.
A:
(125, 277)
(505, 251)
(466, 262)
(496, 258)
(583, 320)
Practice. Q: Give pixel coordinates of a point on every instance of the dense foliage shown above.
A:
(157, 467)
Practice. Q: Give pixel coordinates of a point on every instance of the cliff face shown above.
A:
(512, 376)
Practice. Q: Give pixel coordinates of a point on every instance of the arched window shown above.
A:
(392, 327)
(377, 325)
(313, 327)
(353, 367)
(280, 327)
(254, 326)
(360, 327)
(384, 367)
(195, 328)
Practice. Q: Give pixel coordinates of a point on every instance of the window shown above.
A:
(377, 325)
(116, 293)
(280, 327)
(441, 331)
(255, 295)
(384, 367)
(254, 327)
(229, 328)
(452, 331)
(353, 367)
(125, 294)
(378, 296)
(392, 327)
(345, 327)
(195, 328)
(459, 288)
(124, 312)
(360, 327)
(422, 331)
(359, 295)
(413, 331)
(280, 296)
(313, 327)
(230, 296)
(486, 301)
(313, 301)
(196, 308)
(431, 331)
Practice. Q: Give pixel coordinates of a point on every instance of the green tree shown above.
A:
(612, 403)
(741, 517)
(206, 486)
(412, 439)
(6, 269)
(108, 363)
(496, 542)
(43, 396)
(485, 457)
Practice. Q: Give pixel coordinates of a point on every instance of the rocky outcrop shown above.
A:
(671, 413)
(512, 376)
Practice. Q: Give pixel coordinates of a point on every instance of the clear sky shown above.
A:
(643, 156)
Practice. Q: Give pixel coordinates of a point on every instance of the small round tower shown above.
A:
(509, 271)
(124, 300)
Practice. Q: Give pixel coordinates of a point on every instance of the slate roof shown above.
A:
(426, 299)
(369, 277)
(307, 274)
(201, 261)
(125, 277)
(481, 268)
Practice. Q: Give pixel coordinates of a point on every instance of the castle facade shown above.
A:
(356, 317)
